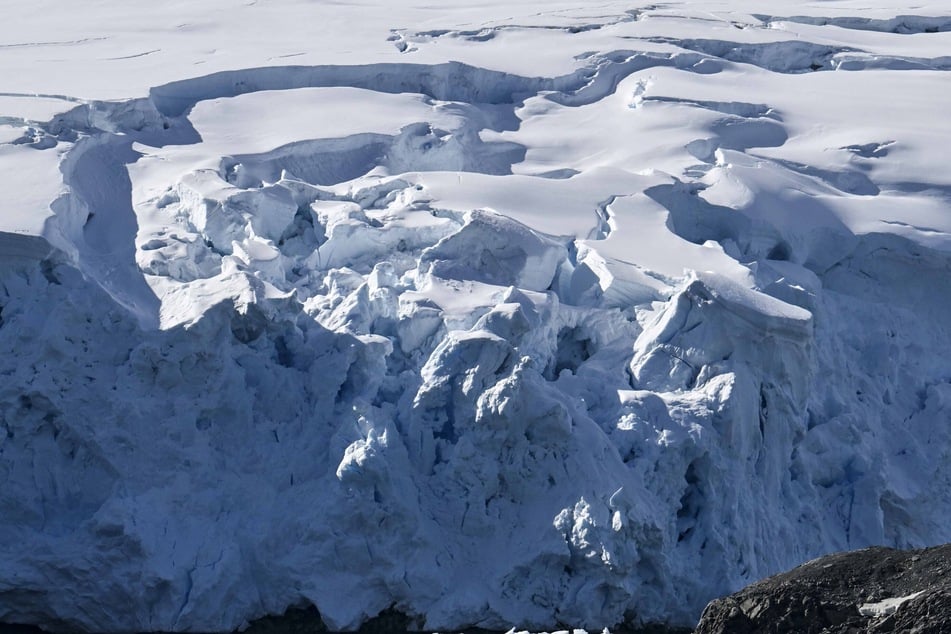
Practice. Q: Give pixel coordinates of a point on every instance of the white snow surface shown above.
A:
(885, 607)
(535, 314)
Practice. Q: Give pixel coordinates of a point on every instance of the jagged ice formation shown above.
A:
(576, 316)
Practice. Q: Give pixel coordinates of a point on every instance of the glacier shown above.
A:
(535, 315)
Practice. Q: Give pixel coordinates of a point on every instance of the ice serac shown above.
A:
(569, 320)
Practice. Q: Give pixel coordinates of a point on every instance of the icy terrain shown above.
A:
(563, 313)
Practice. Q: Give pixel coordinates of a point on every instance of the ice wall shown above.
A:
(495, 350)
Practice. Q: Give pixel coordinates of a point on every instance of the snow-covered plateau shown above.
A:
(526, 314)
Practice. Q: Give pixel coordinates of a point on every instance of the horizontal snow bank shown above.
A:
(452, 81)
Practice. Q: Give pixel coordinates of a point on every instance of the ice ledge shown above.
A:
(754, 307)
(23, 245)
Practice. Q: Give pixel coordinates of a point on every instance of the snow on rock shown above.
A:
(886, 606)
(574, 318)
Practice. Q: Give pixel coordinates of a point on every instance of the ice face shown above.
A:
(565, 319)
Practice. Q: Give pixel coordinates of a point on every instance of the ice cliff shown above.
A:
(627, 309)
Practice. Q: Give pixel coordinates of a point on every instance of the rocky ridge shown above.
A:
(873, 590)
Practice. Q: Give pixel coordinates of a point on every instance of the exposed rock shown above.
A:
(874, 590)
(308, 621)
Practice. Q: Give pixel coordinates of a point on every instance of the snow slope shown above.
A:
(549, 314)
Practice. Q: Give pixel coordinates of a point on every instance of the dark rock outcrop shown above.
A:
(874, 590)
(308, 621)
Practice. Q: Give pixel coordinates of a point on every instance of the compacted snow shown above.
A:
(548, 314)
